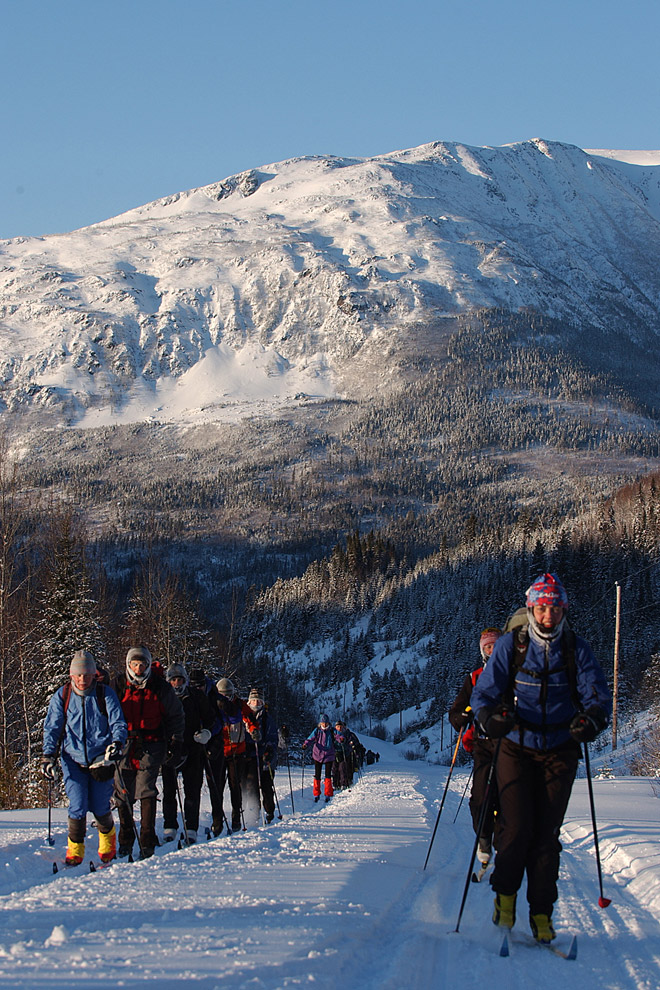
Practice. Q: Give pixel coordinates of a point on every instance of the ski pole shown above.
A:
(437, 821)
(237, 787)
(129, 807)
(482, 818)
(302, 782)
(211, 778)
(181, 805)
(460, 803)
(261, 793)
(288, 766)
(51, 840)
(603, 901)
(272, 780)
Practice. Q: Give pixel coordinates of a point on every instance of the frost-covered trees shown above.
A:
(67, 615)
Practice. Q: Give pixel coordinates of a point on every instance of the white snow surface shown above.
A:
(333, 896)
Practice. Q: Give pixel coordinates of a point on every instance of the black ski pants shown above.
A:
(215, 776)
(192, 774)
(534, 787)
(234, 775)
(252, 784)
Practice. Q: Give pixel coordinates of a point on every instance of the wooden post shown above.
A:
(615, 685)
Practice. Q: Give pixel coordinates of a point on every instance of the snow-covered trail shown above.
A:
(333, 895)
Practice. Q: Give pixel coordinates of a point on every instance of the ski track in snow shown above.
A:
(333, 895)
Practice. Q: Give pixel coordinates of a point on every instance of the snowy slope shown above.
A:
(271, 283)
(332, 896)
(630, 156)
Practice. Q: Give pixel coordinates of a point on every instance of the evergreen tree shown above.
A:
(67, 613)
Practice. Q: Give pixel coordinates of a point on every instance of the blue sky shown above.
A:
(108, 106)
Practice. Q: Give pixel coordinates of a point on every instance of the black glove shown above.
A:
(176, 756)
(214, 747)
(268, 754)
(461, 720)
(48, 767)
(255, 734)
(496, 722)
(113, 752)
(586, 725)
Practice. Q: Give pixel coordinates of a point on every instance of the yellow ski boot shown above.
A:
(542, 929)
(504, 913)
(107, 845)
(75, 853)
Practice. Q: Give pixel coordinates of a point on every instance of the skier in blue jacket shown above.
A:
(86, 722)
(542, 694)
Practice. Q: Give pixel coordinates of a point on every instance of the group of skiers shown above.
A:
(337, 753)
(114, 739)
(538, 695)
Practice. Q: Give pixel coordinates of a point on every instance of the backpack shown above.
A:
(101, 773)
(520, 632)
(100, 699)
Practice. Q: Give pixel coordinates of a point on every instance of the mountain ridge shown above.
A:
(310, 278)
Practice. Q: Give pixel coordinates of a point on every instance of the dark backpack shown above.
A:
(100, 698)
(520, 630)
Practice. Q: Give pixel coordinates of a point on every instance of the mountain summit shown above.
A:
(322, 276)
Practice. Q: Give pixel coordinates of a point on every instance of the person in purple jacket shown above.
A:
(323, 754)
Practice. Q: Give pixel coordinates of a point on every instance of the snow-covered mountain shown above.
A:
(312, 275)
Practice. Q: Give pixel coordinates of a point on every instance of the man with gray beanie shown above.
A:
(86, 724)
(156, 725)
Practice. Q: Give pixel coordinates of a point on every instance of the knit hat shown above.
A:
(226, 688)
(489, 637)
(82, 662)
(177, 670)
(138, 653)
(197, 677)
(256, 694)
(547, 590)
(324, 718)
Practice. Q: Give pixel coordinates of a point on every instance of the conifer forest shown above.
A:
(286, 551)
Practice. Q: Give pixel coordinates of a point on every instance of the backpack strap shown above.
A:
(568, 649)
(520, 646)
(100, 698)
(66, 697)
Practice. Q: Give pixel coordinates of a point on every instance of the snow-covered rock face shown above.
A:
(269, 283)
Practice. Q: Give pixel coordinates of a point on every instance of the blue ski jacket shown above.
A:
(83, 729)
(544, 699)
